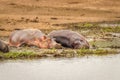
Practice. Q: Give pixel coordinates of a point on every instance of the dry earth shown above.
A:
(42, 14)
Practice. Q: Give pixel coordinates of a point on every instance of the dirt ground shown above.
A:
(43, 14)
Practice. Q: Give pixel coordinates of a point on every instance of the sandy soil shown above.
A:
(42, 14)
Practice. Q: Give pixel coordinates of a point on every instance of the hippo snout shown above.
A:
(81, 45)
(55, 45)
(58, 46)
(4, 47)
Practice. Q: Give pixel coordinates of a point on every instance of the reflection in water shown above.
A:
(91, 68)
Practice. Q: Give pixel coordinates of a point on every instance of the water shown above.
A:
(85, 68)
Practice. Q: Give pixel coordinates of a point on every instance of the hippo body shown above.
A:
(3, 47)
(69, 39)
(31, 37)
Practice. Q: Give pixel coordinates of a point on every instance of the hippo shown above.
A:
(3, 47)
(69, 39)
(32, 37)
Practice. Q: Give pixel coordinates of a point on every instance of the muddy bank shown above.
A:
(34, 53)
(103, 36)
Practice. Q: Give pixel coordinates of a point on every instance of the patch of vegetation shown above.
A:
(111, 43)
(115, 29)
(15, 55)
(93, 27)
(96, 52)
(55, 53)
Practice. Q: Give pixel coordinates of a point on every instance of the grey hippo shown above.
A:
(69, 39)
(3, 47)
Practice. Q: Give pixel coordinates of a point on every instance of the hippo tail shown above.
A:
(10, 38)
(9, 42)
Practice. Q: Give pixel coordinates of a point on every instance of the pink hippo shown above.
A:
(31, 37)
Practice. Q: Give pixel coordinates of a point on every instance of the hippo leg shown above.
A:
(18, 45)
(34, 42)
(15, 45)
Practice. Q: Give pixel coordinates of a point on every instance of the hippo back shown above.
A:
(26, 34)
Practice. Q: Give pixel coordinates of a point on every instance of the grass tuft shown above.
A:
(55, 53)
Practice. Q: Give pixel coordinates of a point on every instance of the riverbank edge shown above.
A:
(56, 53)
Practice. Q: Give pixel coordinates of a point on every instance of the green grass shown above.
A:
(94, 27)
(111, 43)
(96, 52)
(15, 55)
(115, 29)
(55, 53)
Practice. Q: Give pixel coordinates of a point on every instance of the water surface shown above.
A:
(85, 68)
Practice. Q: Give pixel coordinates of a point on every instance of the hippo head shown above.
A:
(80, 43)
(4, 47)
(46, 42)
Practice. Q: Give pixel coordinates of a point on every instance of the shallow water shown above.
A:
(85, 68)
